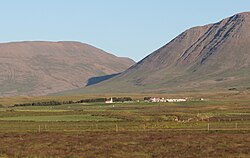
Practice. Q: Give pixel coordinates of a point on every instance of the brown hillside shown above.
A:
(39, 68)
(214, 56)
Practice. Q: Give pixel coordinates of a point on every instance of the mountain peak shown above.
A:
(245, 14)
(214, 56)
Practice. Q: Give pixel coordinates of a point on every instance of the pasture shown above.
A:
(219, 126)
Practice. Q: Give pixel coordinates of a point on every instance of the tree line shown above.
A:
(92, 100)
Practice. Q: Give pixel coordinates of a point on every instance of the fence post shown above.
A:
(208, 126)
(39, 128)
(116, 127)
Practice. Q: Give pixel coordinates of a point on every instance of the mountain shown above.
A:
(40, 68)
(210, 57)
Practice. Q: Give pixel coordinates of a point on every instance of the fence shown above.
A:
(119, 126)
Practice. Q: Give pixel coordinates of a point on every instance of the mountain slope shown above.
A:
(214, 56)
(39, 68)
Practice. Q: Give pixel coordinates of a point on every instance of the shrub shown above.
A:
(147, 98)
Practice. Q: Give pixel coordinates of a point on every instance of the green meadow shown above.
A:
(219, 125)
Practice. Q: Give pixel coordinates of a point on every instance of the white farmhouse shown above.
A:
(109, 101)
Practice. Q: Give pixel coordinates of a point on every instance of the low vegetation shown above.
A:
(219, 126)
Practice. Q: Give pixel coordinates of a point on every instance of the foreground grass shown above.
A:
(127, 144)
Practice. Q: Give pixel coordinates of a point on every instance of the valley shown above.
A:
(189, 98)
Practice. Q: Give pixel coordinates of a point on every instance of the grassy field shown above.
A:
(223, 95)
(219, 126)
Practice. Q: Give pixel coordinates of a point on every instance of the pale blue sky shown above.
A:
(131, 28)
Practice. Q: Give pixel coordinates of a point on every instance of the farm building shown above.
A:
(157, 100)
(109, 101)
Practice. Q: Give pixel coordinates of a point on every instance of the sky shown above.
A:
(127, 28)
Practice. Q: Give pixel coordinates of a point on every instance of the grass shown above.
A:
(127, 144)
(59, 118)
(129, 129)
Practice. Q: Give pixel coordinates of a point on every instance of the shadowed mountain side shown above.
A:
(210, 57)
(40, 68)
(95, 80)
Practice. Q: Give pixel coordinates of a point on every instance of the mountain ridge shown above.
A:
(213, 56)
